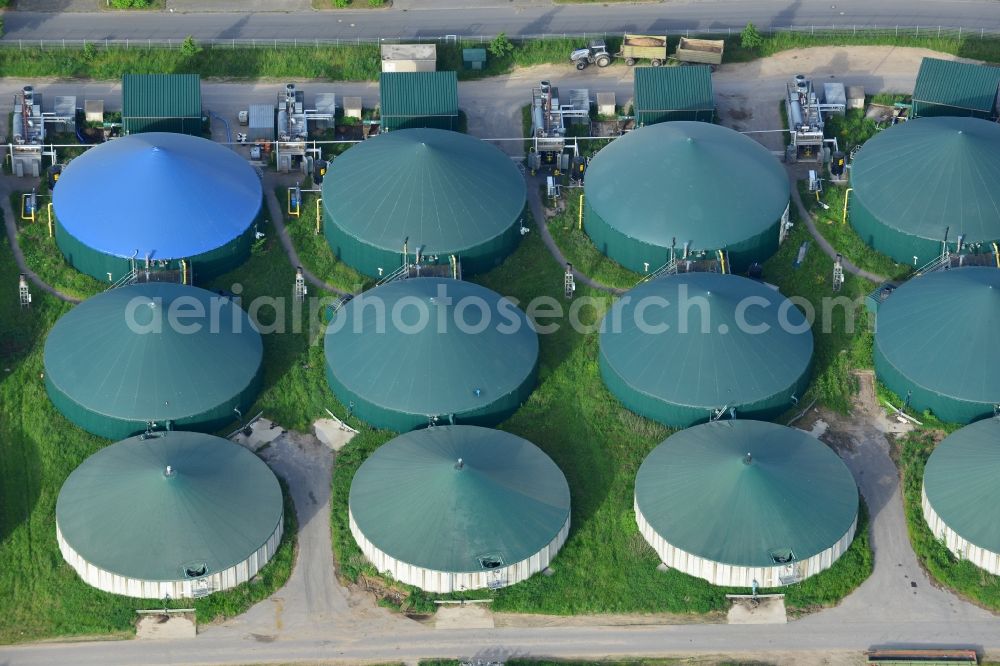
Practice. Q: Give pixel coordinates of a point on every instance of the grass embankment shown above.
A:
(40, 595)
(961, 576)
(361, 62)
(842, 236)
(606, 565)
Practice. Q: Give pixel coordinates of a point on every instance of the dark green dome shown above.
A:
(115, 362)
(123, 512)
(915, 180)
(447, 192)
(934, 339)
(415, 502)
(960, 482)
(472, 360)
(684, 182)
(741, 345)
(737, 491)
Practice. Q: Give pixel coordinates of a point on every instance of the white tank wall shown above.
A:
(445, 581)
(963, 549)
(177, 589)
(729, 575)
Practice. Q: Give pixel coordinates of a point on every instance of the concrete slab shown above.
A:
(468, 616)
(333, 433)
(262, 432)
(766, 610)
(160, 626)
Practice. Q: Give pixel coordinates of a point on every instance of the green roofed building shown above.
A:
(116, 362)
(935, 337)
(735, 502)
(456, 508)
(681, 349)
(415, 352)
(961, 497)
(673, 93)
(923, 181)
(698, 187)
(174, 514)
(431, 193)
(950, 88)
(418, 99)
(161, 103)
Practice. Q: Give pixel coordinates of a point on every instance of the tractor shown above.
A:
(596, 53)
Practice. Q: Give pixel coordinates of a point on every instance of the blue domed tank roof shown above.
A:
(160, 194)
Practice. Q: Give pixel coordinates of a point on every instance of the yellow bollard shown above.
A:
(847, 195)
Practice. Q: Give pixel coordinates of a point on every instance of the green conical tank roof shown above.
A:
(123, 511)
(117, 356)
(704, 341)
(737, 491)
(960, 481)
(928, 174)
(938, 331)
(441, 498)
(687, 181)
(447, 192)
(422, 347)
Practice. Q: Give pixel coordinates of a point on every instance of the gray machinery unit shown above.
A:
(293, 130)
(28, 133)
(548, 124)
(805, 120)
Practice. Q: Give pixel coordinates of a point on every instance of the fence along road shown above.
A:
(945, 16)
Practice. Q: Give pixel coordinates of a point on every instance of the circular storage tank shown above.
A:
(156, 196)
(737, 501)
(457, 508)
(679, 348)
(424, 350)
(934, 338)
(960, 494)
(177, 514)
(447, 193)
(179, 356)
(680, 183)
(916, 180)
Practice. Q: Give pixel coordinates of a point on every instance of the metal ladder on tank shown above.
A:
(127, 279)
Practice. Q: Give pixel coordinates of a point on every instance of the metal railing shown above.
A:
(868, 30)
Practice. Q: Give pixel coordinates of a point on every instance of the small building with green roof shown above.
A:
(456, 508)
(960, 495)
(409, 100)
(682, 349)
(424, 351)
(696, 187)
(953, 88)
(735, 502)
(934, 340)
(175, 514)
(673, 93)
(432, 194)
(170, 355)
(919, 183)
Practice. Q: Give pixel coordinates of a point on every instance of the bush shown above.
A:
(341, 3)
(501, 46)
(190, 47)
(130, 4)
(376, 3)
(750, 37)
(89, 51)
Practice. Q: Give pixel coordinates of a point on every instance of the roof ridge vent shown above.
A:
(747, 459)
(460, 464)
(170, 471)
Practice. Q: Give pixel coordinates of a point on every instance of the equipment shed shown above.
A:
(418, 99)
(673, 93)
(161, 103)
(950, 88)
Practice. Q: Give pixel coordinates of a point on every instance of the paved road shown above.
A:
(516, 20)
